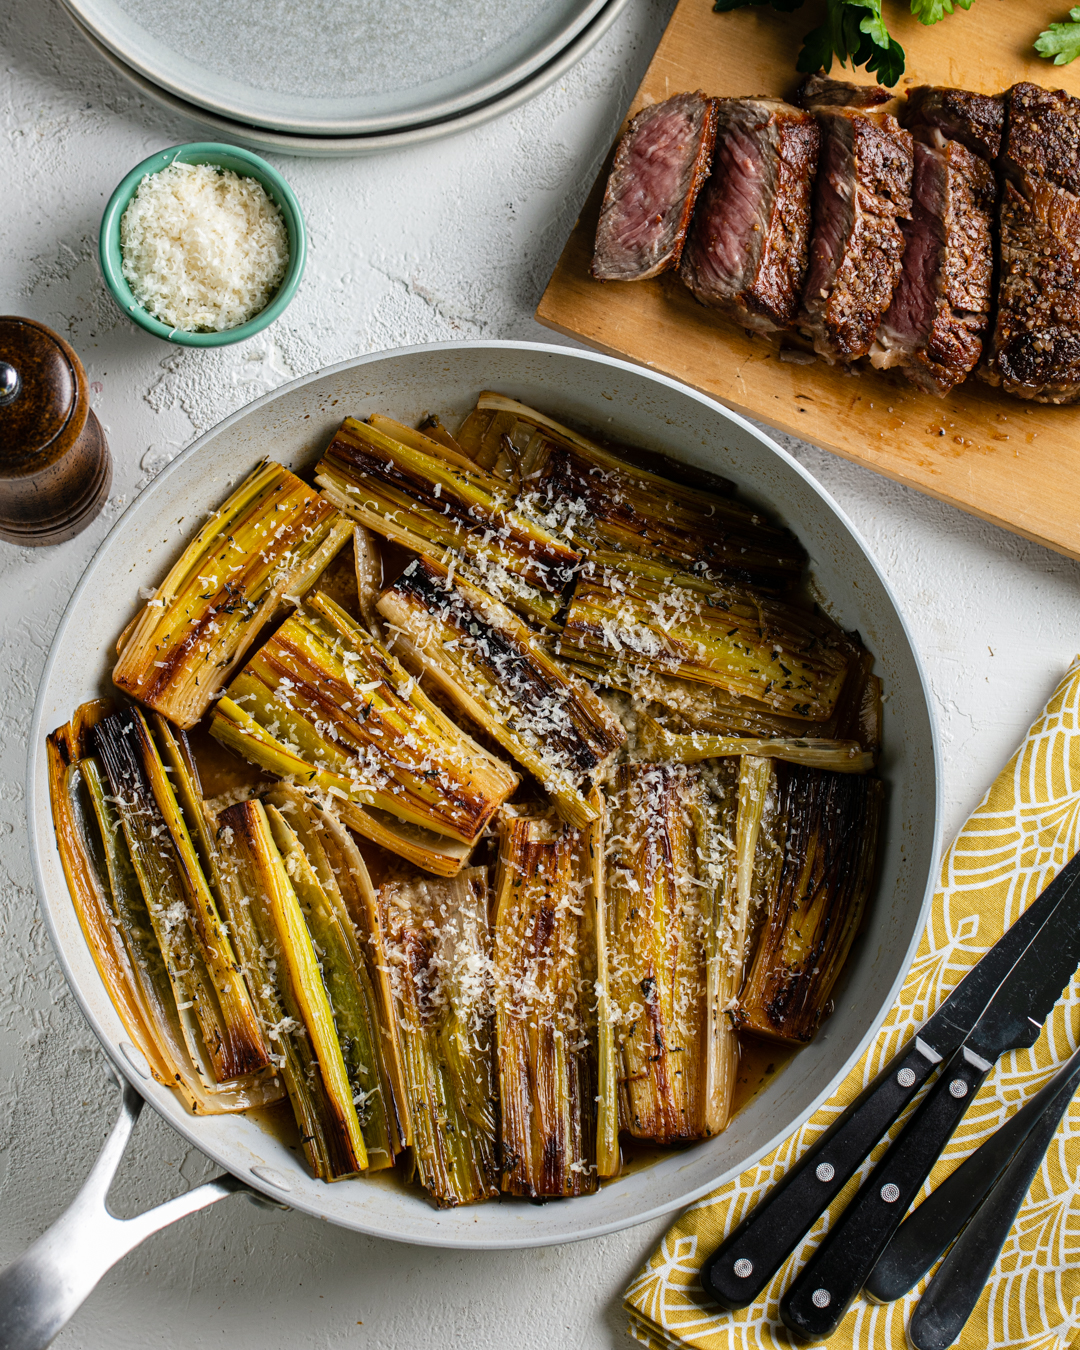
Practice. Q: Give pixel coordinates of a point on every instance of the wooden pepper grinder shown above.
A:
(55, 466)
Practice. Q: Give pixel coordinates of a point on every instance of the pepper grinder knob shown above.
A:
(55, 466)
(10, 383)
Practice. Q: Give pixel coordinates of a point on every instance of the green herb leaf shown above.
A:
(933, 11)
(854, 31)
(1061, 40)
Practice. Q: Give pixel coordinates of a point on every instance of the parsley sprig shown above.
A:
(1061, 40)
(855, 31)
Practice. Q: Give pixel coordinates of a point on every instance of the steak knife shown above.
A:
(929, 1230)
(746, 1261)
(818, 1299)
(955, 1289)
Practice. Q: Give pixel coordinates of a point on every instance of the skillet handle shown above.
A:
(43, 1288)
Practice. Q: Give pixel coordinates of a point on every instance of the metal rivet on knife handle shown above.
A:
(822, 1298)
(743, 1268)
(905, 1078)
(890, 1193)
(958, 1088)
(773, 1229)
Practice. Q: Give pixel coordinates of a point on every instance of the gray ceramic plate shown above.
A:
(328, 147)
(336, 67)
(630, 404)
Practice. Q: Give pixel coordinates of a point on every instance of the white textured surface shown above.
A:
(453, 240)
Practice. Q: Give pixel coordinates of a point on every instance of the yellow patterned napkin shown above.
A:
(1024, 830)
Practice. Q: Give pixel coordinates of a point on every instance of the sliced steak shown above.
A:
(818, 91)
(1035, 346)
(935, 115)
(659, 167)
(862, 191)
(940, 311)
(747, 249)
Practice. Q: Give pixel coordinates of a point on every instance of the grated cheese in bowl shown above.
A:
(204, 249)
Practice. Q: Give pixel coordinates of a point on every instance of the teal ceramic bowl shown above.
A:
(242, 162)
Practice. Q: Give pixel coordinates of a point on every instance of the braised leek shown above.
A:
(671, 888)
(826, 827)
(260, 550)
(119, 931)
(438, 942)
(785, 660)
(325, 704)
(545, 1018)
(284, 967)
(432, 504)
(655, 741)
(599, 501)
(183, 911)
(500, 675)
(360, 1016)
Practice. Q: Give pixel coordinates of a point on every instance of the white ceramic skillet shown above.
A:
(626, 403)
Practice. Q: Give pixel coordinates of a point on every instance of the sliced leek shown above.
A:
(432, 504)
(115, 920)
(655, 741)
(670, 901)
(325, 704)
(296, 827)
(545, 1010)
(287, 971)
(787, 660)
(439, 950)
(500, 675)
(597, 500)
(183, 911)
(259, 551)
(826, 828)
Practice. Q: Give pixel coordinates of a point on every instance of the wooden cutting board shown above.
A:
(1014, 463)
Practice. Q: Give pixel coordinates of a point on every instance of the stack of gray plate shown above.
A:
(341, 77)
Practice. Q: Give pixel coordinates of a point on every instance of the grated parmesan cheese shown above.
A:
(203, 249)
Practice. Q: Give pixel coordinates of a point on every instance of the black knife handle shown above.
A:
(929, 1230)
(816, 1302)
(955, 1289)
(749, 1257)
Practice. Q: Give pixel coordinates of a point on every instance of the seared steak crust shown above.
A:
(818, 91)
(935, 115)
(659, 167)
(1035, 349)
(935, 326)
(747, 249)
(862, 191)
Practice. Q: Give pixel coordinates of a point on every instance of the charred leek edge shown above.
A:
(430, 505)
(545, 950)
(829, 826)
(433, 428)
(300, 979)
(332, 708)
(326, 1146)
(262, 548)
(765, 651)
(197, 951)
(661, 901)
(297, 830)
(599, 499)
(497, 672)
(594, 847)
(362, 905)
(656, 742)
(440, 943)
